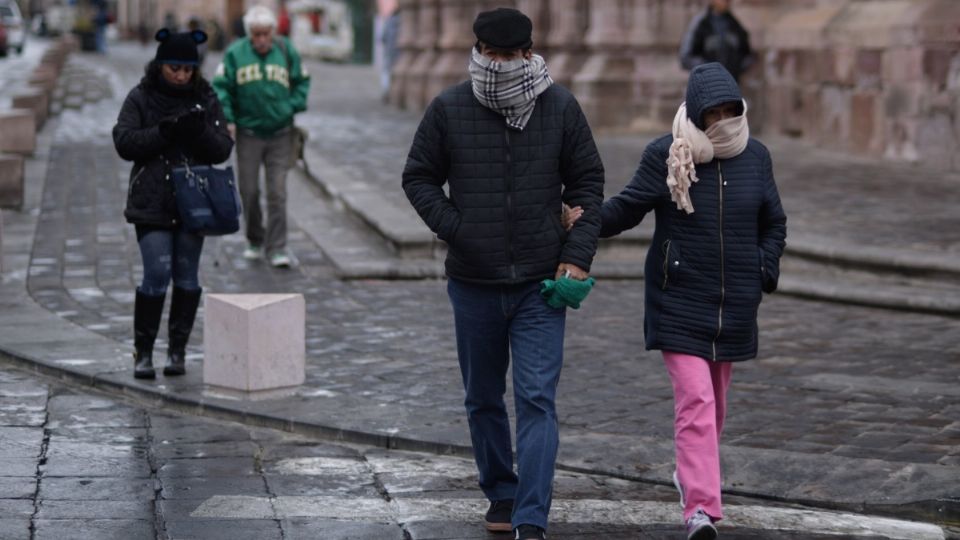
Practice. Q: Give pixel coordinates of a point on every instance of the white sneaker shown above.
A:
(676, 484)
(280, 260)
(700, 527)
(253, 252)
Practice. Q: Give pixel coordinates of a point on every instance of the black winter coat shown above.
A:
(705, 272)
(150, 199)
(501, 220)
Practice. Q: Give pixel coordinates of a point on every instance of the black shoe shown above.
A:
(143, 365)
(498, 516)
(530, 532)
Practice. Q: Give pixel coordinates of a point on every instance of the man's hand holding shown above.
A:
(575, 272)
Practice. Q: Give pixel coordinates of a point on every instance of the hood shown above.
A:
(709, 85)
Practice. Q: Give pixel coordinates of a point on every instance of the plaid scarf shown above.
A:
(509, 88)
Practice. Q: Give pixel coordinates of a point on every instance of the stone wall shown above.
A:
(872, 77)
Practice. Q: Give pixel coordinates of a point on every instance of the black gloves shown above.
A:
(186, 127)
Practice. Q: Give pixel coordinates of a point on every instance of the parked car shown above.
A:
(12, 21)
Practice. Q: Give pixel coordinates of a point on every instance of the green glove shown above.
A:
(565, 291)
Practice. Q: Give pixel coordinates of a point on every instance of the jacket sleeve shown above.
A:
(772, 223)
(582, 172)
(299, 80)
(426, 172)
(641, 195)
(691, 48)
(133, 140)
(215, 145)
(225, 85)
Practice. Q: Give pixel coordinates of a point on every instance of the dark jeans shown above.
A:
(494, 323)
(169, 254)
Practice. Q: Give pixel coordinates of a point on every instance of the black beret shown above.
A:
(504, 28)
(179, 47)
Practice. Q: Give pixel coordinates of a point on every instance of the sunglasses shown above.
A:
(177, 68)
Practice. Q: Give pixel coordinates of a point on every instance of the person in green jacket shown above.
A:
(262, 84)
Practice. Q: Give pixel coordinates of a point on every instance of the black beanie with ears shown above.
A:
(179, 47)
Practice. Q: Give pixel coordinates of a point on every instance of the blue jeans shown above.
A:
(169, 254)
(494, 323)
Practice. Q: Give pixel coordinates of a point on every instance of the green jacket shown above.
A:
(261, 93)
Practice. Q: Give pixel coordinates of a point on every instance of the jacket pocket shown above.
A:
(671, 265)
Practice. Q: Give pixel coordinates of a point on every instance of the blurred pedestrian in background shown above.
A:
(262, 84)
(715, 35)
(388, 32)
(172, 116)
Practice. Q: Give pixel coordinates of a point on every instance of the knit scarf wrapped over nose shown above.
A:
(509, 88)
(691, 145)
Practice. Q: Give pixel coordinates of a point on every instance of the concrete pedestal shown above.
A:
(254, 343)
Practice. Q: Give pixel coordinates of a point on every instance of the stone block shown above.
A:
(869, 68)
(11, 181)
(254, 342)
(35, 100)
(936, 65)
(18, 131)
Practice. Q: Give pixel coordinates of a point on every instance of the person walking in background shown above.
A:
(715, 35)
(720, 231)
(389, 32)
(512, 146)
(262, 84)
(172, 116)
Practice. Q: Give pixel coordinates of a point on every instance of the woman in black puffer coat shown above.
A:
(172, 116)
(720, 231)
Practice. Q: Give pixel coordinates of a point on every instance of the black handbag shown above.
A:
(207, 199)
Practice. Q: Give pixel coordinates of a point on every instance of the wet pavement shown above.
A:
(846, 408)
(84, 465)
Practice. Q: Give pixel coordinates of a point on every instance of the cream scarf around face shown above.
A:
(691, 145)
(509, 88)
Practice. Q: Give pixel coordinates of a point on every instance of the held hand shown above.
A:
(571, 271)
(168, 127)
(569, 216)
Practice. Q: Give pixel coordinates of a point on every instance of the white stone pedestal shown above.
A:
(254, 343)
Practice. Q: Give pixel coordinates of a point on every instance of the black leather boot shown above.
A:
(147, 311)
(183, 311)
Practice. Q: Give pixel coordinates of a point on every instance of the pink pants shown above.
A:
(699, 405)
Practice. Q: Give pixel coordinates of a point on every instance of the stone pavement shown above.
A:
(85, 465)
(847, 407)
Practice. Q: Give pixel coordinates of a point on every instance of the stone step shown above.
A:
(366, 235)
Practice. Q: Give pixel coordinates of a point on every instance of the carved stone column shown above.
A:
(428, 26)
(456, 38)
(537, 10)
(604, 85)
(407, 43)
(564, 40)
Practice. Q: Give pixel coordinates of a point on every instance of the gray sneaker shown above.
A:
(253, 253)
(700, 526)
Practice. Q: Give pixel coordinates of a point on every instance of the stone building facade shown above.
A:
(871, 77)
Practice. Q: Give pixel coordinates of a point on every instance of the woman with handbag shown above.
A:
(171, 118)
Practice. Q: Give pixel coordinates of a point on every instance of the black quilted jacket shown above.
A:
(137, 138)
(501, 219)
(705, 271)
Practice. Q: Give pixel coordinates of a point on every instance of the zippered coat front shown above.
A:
(501, 219)
(706, 271)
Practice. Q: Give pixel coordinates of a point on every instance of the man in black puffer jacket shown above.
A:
(513, 147)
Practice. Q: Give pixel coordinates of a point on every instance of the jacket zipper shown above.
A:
(508, 179)
(666, 263)
(722, 277)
